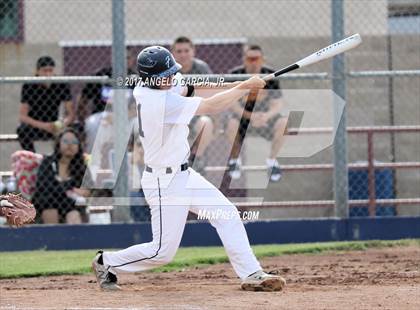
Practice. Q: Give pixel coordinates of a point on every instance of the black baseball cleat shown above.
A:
(107, 281)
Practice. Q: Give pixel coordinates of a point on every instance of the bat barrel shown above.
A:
(331, 50)
(325, 53)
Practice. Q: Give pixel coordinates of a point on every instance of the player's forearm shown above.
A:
(211, 85)
(222, 101)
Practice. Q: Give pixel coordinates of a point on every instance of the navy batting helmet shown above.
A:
(156, 62)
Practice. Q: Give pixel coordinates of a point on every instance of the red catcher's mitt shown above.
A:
(17, 210)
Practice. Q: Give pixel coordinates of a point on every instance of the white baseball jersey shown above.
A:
(164, 116)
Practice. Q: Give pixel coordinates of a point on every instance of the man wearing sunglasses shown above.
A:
(263, 118)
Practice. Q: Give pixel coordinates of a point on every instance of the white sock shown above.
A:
(272, 162)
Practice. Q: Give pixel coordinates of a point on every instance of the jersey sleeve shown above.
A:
(180, 109)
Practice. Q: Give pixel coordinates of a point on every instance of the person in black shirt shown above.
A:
(264, 118)
(40, 106)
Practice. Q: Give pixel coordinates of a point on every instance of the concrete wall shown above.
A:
(48, 21)
(274, 24)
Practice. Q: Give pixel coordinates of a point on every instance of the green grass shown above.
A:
(43, 263)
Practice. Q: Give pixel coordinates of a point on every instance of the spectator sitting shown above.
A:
(202, 126)
(58, 195)
(265, 118)
(40, 105)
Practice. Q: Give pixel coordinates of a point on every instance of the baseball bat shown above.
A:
(324, 53)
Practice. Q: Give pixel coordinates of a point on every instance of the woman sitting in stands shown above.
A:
(59, 196)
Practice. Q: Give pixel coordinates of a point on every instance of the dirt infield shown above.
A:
(373, 279)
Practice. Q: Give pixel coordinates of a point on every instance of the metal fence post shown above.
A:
(121, 214)
(339, 88)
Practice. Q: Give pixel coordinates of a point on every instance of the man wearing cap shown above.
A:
(40, 107)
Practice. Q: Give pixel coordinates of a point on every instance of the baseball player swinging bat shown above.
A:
(171, 188)
(325, 53)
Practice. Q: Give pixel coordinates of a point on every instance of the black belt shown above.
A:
(169, 169)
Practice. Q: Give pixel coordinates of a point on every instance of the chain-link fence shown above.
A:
(65, 126)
